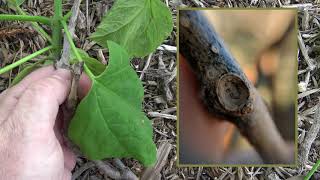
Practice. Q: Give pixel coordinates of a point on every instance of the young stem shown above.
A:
(36, 26)
(313, 170)
(56, 28)
(25, 59)
(89, 73)
(40, 19)
(73, 46)
(74, 49)
(67, 16)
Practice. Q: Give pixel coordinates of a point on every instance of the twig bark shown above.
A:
(310, 137)
(146, 66)
(64, 61)
(114, 173)
(162, 157)
(69, 106)
(82, 169)
(304, 52)
(126, 173)
(108, 170)
(226, 91)
(162, 115)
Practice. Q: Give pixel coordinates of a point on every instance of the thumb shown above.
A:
(39, 104)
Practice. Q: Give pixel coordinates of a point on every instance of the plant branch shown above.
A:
(25, 59)
(56, 28)
(108, 170)
(36, 26)
(126, 173)
(69, 38)
(40, 19)
(310, 137)
(74, 49)
(67, 16)
(226, 91)
(69, 32)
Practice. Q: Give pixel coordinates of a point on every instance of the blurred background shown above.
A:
(265, 45)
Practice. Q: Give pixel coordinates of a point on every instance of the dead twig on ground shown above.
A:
(310, 137)
(162, 157)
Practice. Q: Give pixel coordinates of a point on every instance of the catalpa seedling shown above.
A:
(109, 121)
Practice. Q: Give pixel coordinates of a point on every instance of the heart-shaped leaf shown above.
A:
(108, 121)
(139, 26)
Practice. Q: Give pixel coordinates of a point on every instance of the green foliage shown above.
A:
(95, 66)
(108, 121)
(139, 26)
(15, 3)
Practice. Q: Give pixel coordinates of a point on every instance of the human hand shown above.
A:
(204, 137)
(31, 145)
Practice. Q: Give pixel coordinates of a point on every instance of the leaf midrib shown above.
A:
(119, 96)
(107, 125)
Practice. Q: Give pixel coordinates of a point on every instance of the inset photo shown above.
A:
(237, 92)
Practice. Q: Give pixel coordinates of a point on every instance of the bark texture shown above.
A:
(225, 89)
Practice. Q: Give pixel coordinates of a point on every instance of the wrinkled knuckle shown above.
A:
(58, 80)
(37, 90)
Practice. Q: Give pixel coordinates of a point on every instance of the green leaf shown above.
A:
(109, 121)
(95, 66)
(15, 3)
(139, 26)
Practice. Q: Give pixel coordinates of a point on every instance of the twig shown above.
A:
(300, 7)
(226, 91)
(126, 173)
(87, 16)
(310, 137)
(82, 169)
(198, 3)
(307, 93)
(146, 66)
(168, 48)
(162, 115)
(64, 61)
(199, 173)
(108, 170)
(69, 106)
(162, 158)
(304, 51)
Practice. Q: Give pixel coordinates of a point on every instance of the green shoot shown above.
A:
(313, 170)
(56, 28)
(74, 49)
(40, 19)
(25, 59)
(36, 26)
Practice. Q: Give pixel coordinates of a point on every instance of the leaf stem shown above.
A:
(40, 19)
(74, 49)
(67, 16)
(25, 59)
(313, 170)
(36, 26)
(87, 70)
(73, 46)
(56, 29)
